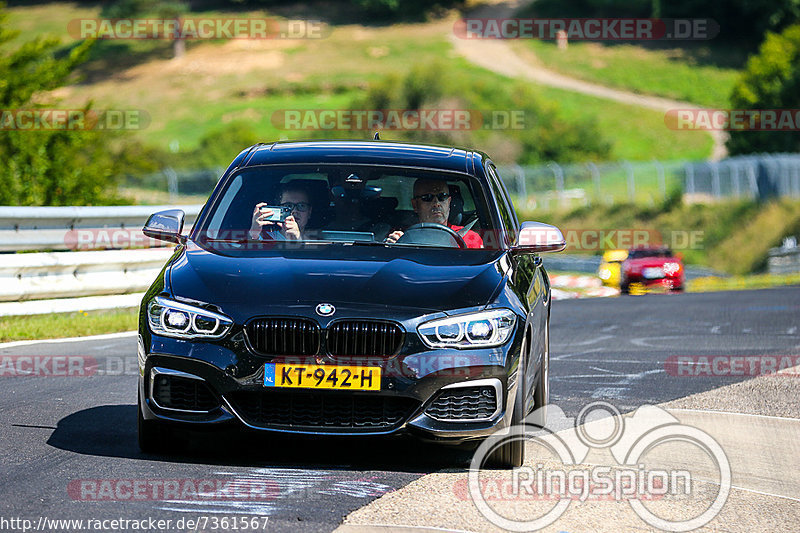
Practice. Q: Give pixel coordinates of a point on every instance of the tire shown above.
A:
(541, 395)
(511, 452)
(152, 434)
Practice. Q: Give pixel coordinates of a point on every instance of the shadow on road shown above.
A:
(110, 431)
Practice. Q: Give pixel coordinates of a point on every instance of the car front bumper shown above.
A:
(415, 380)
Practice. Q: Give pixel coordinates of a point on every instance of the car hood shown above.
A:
(426, 280)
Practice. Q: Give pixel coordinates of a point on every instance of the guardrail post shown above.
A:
(558, 173)
(172, 183)
(662, 178)
(689, 171)
(751, 177)
(595, 179)
(521, 185)
(734, 171)
(631, 181)
(714, 179)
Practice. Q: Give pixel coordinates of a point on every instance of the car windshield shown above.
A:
(655, 252)
(361, 204)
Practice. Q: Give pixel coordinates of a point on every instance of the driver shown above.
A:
(292, 196)
(431, 203)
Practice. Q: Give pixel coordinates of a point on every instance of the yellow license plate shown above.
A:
(322, 376)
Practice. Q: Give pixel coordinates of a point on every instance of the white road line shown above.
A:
(584, 352)
(121, 335)
(367, 527)
(713, 411)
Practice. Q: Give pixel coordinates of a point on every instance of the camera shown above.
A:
(279, 212)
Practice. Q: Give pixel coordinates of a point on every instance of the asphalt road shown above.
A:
(62, 434)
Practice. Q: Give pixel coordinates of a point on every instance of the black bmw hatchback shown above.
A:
(349, 288)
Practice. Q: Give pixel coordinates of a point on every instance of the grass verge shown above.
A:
(79, 324)
(739, 283)
(249, 80)
(675, 73)
(732, 237)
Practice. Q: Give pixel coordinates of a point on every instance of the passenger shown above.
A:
(294, 197)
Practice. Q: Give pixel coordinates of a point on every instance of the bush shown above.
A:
(770, 81)
(48, 167)
(740, 21)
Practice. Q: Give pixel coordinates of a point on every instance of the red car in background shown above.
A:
(651, 268)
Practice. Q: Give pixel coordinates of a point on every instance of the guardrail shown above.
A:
(57, 228)
(786, 259)
(70, 274)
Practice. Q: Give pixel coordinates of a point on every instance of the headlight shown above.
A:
(184, 321)
(475, 330)
(671, 268)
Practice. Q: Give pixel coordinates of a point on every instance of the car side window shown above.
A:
(506, 211)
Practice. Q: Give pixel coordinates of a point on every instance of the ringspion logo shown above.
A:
(633, 442)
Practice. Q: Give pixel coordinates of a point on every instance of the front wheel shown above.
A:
(152, 434)
(510, 453)
(541, 396)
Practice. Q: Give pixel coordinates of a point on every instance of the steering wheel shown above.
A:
(424, 233)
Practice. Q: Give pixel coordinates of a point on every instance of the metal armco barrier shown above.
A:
(57, 228)
(786, 259)
(69, 274)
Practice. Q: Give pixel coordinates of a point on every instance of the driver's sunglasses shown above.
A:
(300, 207)
(442, 196)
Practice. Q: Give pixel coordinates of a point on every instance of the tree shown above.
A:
(770, 81)
(46, 166)
(162, 9)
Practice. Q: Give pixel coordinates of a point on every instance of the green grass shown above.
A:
(220, 82)
(637, 134)
(60, 325)
(670, 73)
(739, 283)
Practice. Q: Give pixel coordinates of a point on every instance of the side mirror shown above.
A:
(166, 226)
(536, 237)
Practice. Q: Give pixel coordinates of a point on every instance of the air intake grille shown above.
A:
(185, 394)
(322, 411)
(283, 336)
(464, 403)
(364, 338)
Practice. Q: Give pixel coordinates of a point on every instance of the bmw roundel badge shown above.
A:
(325, 309)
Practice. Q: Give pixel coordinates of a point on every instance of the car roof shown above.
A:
(362, 152)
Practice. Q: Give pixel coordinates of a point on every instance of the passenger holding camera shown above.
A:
(265, 218)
